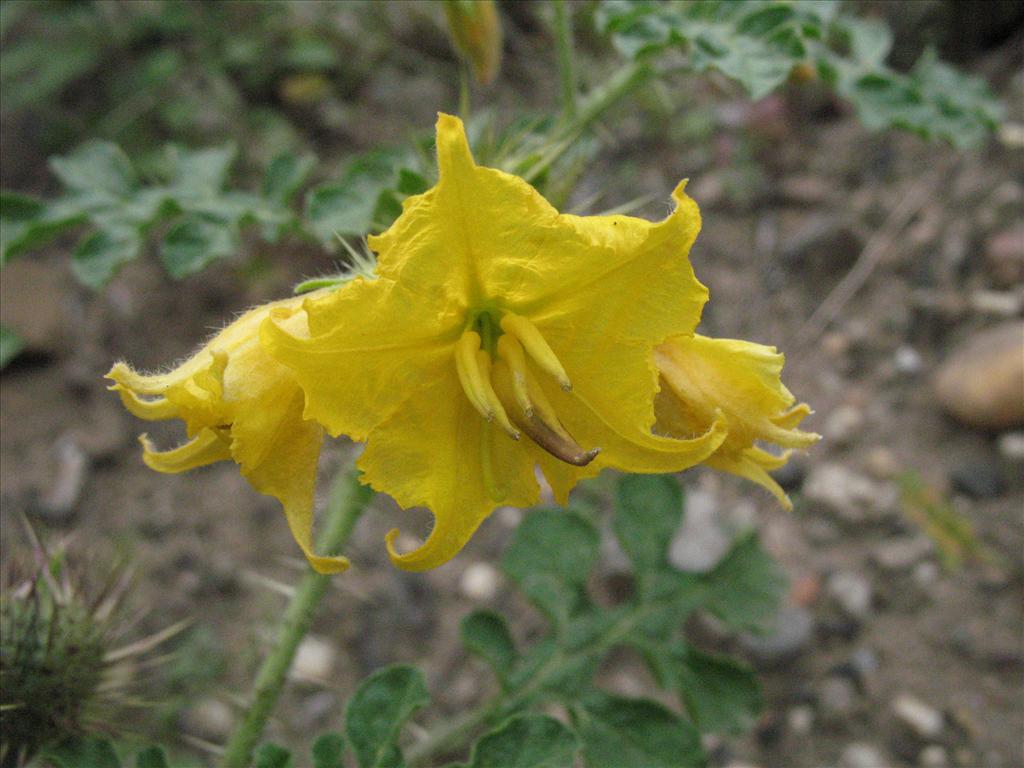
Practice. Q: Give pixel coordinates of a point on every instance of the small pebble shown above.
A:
(851, 592)
(924, 720)
(861, 755)
(1011, 446)
(59, 501)
(837, 698)
(902, 553)
(849, 496)
(800, 720)
(843, 425)
(882, 463)
(314, 659)
(702, 540)
(926, 575)
(933, 756)
(209, 719)
(479, 581)
(1002, 304)
(907, 360)
(978, 479)
(792, 635)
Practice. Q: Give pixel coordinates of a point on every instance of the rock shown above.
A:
(926, 576)
(702, 540)
(1002, 304)
(978, 479)
(800, 720)
(314, 660)
(901, 554)
(837, 698)
(1011, 446)
(790, 637)
(1004, 256)
(32, 295)
(479, 581)
(843, 425)
(923, 720)
(933, 756)
(882, 463)
(981, 384)
(861, 667)
(852, 593)
(907, 360)
(861, 755)
(210, 719)
(59, 501)
(849, 496)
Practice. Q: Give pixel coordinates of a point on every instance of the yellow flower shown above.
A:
(701, 377)
(497, 336)
(238, 403)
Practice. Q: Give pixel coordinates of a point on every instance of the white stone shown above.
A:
(479, 581)
(851, 592)
(800, 720)
(933, 756)
(210, 719)
(861, 755)
(1011, 446)
(701, 541)
(851, 497)
(923, 719)
(843, 425)
(907, 360)
(314, 659)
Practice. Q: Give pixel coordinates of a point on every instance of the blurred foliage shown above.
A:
(763, 44)
(550, 559)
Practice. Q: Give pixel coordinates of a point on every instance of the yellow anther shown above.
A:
(474, 368)
(205, 448)
(484, 361)
(470, 375)
(536, 346)
(511, 351)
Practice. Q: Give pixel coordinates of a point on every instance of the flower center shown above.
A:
(493, 358)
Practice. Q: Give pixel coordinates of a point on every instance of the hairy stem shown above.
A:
(347, 503)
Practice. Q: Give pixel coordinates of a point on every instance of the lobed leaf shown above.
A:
(328, 751)
(526, 741)
(549, 557)
(273, 756)
(617, 731)
(744, 590)
(486, 634)
(648, 510)
(378, 709)
(721, 694)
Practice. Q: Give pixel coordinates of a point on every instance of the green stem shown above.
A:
(347, 503)
(455, 732)
(566, 65)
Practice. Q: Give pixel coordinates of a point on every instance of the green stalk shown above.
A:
(566, 64)
(347, 503)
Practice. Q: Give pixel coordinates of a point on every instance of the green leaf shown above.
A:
(272, 756)
(83, 752)
(285, 175)
(27, 223)
(151, 757)
(10, 345)
(198, 172)
(100, 255)
(194, 242)
(486, 634)
(339, 209)
(721, 695)
(329, 751)
(411, 183)
(376, 712)
(526, 741)
(648, 510)
(617, 732)
(549, 557)
(746, 587)
(96, 167)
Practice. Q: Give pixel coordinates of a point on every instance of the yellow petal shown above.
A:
(367, 344)
(207, 447)
(436, 451)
